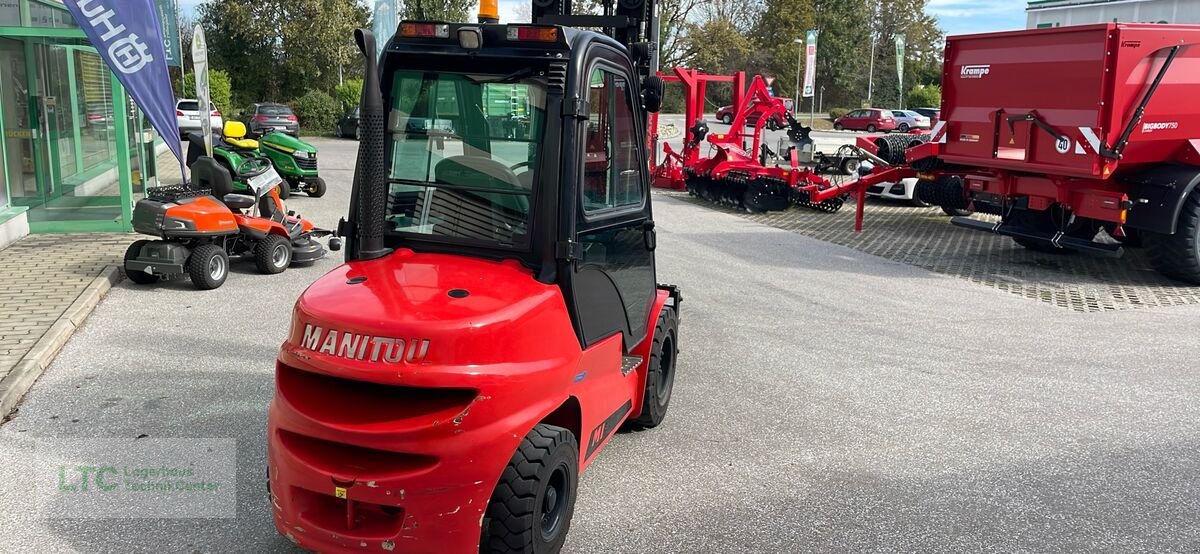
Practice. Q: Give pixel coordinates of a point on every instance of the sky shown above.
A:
(956, 16)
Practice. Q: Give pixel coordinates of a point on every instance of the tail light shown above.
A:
(292, 118)
(216, 113)
(424, 30)
(178, 112)
(534, 34)
(260, 118)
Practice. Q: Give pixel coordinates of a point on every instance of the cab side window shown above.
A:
(612, 173)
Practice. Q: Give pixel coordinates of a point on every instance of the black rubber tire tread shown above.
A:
(318, 188)
(956, 212)
(653, 408)
(510, 523)
(285, 190)
(263, 259)
(838, 127)
(139, 277)
(197, 266)
(892, 147)
(1178, 256)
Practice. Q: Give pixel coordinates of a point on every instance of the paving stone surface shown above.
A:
(42, 276)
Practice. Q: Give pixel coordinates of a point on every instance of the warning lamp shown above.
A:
(424, 30)
(533, 34)
(470, 38)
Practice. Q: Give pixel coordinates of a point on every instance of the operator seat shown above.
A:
(235, 136)
(210, 174)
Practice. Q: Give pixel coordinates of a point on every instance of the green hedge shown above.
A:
(317, 111)
(835, 113)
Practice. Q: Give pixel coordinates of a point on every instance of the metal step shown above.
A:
(1057, 240)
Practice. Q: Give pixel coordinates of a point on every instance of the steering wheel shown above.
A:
(518, 165)
(252, 167)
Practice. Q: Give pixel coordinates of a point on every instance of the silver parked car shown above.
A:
(908, 119)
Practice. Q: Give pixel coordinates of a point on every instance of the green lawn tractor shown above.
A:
(296, 162)
(293, 159)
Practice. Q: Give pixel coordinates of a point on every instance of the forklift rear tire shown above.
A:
(139, 277)
(208, 266)
(1178, 256)
(531, 507)
(273, 254)
(316, 187)
(660, 379)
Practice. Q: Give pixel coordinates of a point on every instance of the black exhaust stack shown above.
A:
(368, 199)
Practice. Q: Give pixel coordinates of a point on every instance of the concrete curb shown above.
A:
(26, 372)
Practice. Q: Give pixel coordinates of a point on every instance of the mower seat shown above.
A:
(238, 201)
(235, 136)
(244, 144)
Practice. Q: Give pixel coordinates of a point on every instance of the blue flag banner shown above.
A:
(129, 39)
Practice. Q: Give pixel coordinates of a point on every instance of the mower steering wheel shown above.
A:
(252, 167)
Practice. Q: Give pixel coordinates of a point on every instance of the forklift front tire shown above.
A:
(139, 277)
(660, 379)
(531, 507)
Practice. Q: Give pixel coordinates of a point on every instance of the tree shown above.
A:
(673, 16)
(777, 54)
(277, 49)
(220, 89)
(437, 10)
(925, 96)
(844, 44)
(348, 94)
(923, 46)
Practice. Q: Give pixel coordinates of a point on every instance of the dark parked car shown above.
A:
(347, 126)
(869, 120)
(934, 114)
(264, 117)
(726, 114)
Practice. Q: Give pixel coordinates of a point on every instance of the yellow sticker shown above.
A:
(339, 492)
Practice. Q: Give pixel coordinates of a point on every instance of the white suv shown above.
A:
(187, 114)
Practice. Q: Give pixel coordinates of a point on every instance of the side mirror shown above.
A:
(652, 93)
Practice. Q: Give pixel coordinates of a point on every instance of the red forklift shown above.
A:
(497, 319)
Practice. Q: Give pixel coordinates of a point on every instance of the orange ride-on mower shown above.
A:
(497, 318)
(201, 224)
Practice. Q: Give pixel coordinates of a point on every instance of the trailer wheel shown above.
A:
(660, 379)
(1178, 256)
(531, 507)
(139, 277)
(208, 266)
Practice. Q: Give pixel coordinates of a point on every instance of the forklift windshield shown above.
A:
(463, 151)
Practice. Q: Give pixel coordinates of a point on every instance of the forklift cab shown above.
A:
(525, 147)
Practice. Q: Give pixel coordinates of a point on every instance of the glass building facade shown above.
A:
(75, 153)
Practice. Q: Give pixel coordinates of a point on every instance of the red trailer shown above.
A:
(1068, 131)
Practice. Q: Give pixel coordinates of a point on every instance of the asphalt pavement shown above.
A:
(826, 401)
